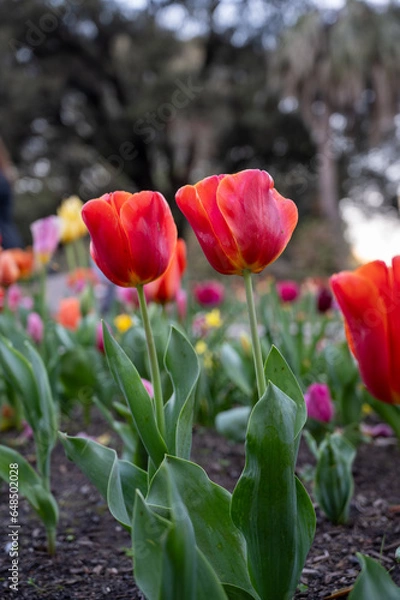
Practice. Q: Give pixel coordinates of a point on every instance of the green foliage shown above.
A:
(373, 582)
(334, 482)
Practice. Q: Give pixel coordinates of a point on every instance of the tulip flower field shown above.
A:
(165, 437)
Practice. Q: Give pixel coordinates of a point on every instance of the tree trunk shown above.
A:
(328, 196)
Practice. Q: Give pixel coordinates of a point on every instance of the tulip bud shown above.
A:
(34, 327)
(319, 402)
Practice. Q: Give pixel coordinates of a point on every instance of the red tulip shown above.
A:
(369, 299)
(133, 236)
(240, 220)
(166, 287)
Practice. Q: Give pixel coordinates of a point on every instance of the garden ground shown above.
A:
(93, 551)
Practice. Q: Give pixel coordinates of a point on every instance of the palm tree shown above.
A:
(350, 65)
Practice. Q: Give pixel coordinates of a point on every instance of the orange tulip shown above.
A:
(369, 298)
(69, 313)
(133, 236)
(240, 220)
(166, 287)
(24, 260)
(9, 271)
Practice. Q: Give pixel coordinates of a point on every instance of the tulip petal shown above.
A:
(109, 247)
(367, 325)
(395, 330)
(261, 220)
(151, 234)
(198, 204)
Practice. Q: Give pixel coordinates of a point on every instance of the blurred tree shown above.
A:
(344, 73)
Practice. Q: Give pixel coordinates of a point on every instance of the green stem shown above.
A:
(257, 354)
(154, 367)
(81, 252)
(70, 256)
(51, 540)
(42, 291)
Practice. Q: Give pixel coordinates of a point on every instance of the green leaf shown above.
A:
(232, 423)
(48, 424)
(137, 398)
(235, 593)
(183, 368)
(152, 537)
(30, 485)
(278, 371)
(20, 373)
(115, 479)
(235, 369)
(269, 505)
(149, 532)
(334, 482)
(179, 563)
(28, 377)
(389, 412)
(208, 506)
(373, 582)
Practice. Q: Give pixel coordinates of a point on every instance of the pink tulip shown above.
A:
(34, 327)
(149, 387)
(46, 235)
(319, 402)
(181, 303)
(26, 303)
(288, 291)
(209, 293)
(128, 296)
(14, 296)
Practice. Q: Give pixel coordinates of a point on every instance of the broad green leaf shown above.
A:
(373, 582)
(389, 412)
(183, 368)
(179, 565)
(334, 482)
(268, 503)
(30, 486)
(20, 373)
(77, 372)
(137, 398)
(150, 533)
(48, 424)
(208, 506)
(279, 373)
(236, 593)
(115, 479)
(232, 423)
(235, 369)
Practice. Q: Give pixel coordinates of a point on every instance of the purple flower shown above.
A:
(209, 293)
(46, 235)
(288, 291)
(319, 402)
(34, 327)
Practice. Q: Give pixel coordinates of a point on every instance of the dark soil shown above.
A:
(93, 562)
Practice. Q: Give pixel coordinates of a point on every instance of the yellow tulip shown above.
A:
(72, 225)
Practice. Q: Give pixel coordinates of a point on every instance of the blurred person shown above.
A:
(10, 237)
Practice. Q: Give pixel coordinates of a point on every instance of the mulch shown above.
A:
(93, 552)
